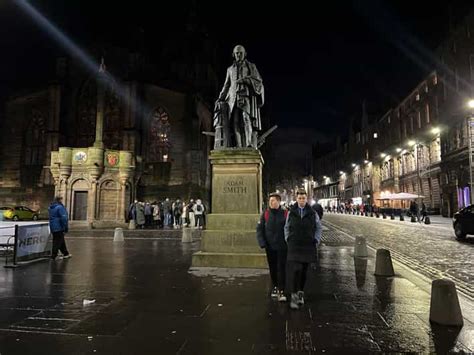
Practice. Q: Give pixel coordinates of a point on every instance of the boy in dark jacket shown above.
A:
(58, 224)
(271, 236)
(302, 234)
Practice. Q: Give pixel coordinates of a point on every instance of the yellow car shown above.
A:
(19, 213)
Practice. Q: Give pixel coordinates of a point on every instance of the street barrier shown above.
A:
(30, 242)
(444, 305)
(360, 247)
(132, 224)
(383, 263)
(392, 217)
(427, 220)
(402, 218)
(413, 219)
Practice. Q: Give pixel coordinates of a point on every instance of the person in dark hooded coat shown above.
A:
(302, 234)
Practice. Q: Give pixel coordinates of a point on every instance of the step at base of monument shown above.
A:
(229, 241)
(220, 221)
(231, 260)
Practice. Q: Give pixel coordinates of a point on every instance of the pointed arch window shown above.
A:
(159, 136)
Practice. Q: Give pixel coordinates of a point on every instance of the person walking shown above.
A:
(423, 211)
(141, 215)
(59, 226)
(148, 215)
(199, 213)
(271, 237)
(167, 212)
(156, 215)
(318, 209)
(302, 234)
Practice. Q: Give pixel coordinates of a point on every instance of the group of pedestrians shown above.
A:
(167, 214)
(290, 239)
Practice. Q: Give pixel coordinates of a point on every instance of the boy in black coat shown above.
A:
(302, 234)
(271, 236)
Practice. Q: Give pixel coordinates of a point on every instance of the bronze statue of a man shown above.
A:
(244, 94)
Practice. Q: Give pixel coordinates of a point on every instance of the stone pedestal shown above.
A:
(230, 237)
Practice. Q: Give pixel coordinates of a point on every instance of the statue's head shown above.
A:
(239, 53)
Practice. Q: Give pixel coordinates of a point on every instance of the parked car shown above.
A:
(463, 222)
(18, 213)
(2, 210)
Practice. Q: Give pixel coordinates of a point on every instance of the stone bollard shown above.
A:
(371, 214)
(402, 218)
(413, 219)
(118, 235)
(358, 212)
(377, 215)
(384, 216)
(360, 247)
(187, 236)
(132, 224)
(444, 305)
(427, 220)
(392, 216)
(383, 263)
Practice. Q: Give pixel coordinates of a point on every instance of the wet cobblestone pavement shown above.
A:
(147, 301)
(429, 249)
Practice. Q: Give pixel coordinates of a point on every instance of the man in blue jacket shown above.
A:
(58, 224)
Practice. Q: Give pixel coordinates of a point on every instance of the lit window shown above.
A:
(376, 135)
(159, 143)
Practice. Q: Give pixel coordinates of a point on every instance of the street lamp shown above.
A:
(436, 130)
(470, 122)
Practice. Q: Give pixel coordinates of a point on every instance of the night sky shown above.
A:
(318, 65)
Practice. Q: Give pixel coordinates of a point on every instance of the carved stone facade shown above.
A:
(157, 122)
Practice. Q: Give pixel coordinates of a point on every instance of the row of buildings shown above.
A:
(423, 145)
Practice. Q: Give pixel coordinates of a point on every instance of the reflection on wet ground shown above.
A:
(147, 301)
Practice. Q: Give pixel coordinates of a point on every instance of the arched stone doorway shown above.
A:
(79, 199)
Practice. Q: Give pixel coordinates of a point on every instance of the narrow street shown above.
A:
(429, 249)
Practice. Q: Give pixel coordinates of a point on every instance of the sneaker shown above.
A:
(67, 256)
(281, 296)
(300, 295)
(294, 301)
(274, 293)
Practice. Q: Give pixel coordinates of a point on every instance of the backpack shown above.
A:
(199, 208)
(266, 215)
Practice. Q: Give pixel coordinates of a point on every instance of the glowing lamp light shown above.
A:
(470, 103)
(383, 155)
(398, 150)
(341, 172)
(353, 165)
(366, 162)
(436, 130)
(411, 143)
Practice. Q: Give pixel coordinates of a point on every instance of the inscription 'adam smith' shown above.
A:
(234, 187)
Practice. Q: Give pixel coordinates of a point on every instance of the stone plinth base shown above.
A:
(230, 237)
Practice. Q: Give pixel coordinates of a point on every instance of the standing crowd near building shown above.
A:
(167, 214)
(422, 146)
